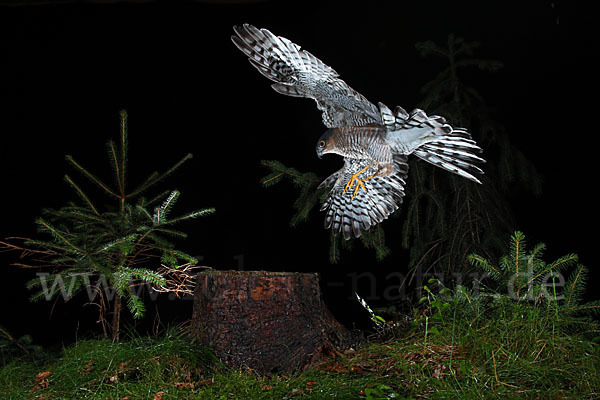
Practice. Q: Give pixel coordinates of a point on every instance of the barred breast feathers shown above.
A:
(363, 142)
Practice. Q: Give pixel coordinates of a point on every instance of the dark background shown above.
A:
(68, 68)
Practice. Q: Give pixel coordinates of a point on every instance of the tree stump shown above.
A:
(267, 321)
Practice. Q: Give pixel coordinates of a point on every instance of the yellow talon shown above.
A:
(359, 182)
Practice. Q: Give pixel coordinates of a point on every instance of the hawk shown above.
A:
(374, 141)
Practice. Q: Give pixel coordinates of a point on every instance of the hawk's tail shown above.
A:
(449, 148)
(454, 152)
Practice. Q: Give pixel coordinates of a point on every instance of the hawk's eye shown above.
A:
(322, 143)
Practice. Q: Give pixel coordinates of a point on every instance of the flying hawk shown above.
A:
(374, 140)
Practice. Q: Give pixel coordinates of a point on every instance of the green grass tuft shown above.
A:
(506, 350)
(459, 346)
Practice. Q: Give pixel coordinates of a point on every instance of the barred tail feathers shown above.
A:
(455, 152)
(449, 148)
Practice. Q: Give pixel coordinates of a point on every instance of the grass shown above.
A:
(163, 368)
(503, 350)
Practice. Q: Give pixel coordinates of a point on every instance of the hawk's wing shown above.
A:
(298, 73)
(353, 214)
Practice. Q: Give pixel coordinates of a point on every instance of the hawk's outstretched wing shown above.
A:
(353, 214)
(298, 73)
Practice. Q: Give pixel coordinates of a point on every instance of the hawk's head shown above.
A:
(325, 143)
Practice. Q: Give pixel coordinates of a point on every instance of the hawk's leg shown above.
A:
(359, 182)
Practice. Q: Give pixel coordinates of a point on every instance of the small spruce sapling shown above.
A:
(111, 253)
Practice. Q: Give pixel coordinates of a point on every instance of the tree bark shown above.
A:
(116, 318)
(267, 321)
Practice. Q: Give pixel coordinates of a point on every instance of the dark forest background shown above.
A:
(67, 68)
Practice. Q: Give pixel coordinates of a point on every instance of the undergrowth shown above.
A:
(501, 351)
(531, 338)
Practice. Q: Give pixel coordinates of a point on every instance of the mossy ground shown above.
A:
(505, 352)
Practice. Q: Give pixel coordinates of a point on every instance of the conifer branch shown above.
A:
(56, 233)
(279, 171)
(81, 194)
(333, 249)
(112, 153)
(575, 284)
(123, 158)
(91, 177)
(484, 264)
(564, 302)
(144, 212)
(25, 251)
(563, 262)
(555, 267)
(114, 245)
(146, 184)
(110, 245)
(175, 167)
(156, 198)
(194, 214)
(157, 178)
(161, 212)
(13, 341)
